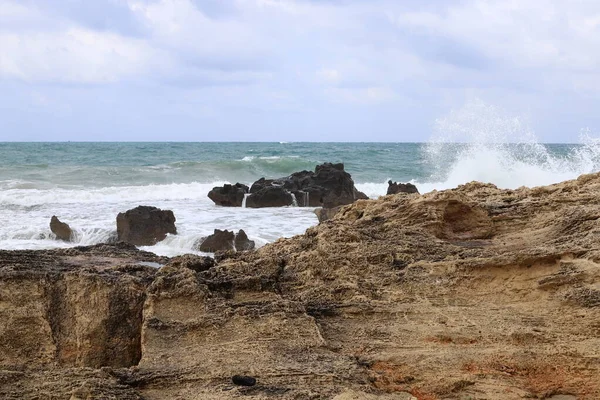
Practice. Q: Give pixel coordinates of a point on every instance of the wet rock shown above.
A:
(261, 184)
(219, 240)
(145, 225)
(62, 230)
(394, 187)
(228, 195)
(270, 196)
(337, 184)
(242, 243)
(226, 241)
(243, 380)
(328, 186)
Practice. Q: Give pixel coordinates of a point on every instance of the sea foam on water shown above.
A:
(477, 142)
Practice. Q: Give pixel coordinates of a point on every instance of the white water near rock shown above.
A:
(481, 143)
(92, 214)
(477, 142)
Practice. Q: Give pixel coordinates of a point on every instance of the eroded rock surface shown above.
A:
(145, 225)
(474, 293)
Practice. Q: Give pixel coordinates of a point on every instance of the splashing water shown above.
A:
(480, 143)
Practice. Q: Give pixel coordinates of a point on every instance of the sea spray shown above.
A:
(481, 143)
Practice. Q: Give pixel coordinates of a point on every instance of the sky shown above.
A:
(293, 70)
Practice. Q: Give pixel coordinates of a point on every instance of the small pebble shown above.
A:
(243, 380)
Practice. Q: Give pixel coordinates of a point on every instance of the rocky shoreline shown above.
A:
(474, 292)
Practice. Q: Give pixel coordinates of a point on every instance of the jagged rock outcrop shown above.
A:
(60, 229)
(145, 225)
(474, 292)
(242, 242)
(228, 195)
(328, 186)
(394, 187)
(225, 241)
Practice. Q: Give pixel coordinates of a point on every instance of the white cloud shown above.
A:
(77, 55)
(328, 75)
(361, 96)
(179, 25)
(522, 34)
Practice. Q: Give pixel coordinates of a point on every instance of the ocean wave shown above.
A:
(112, 194)
(481, 143)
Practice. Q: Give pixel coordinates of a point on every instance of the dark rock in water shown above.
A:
(226, 241)
(329, 186)
(219, 240)
(323, 214)
(270, 196)
(243, 380)
(145, 226)
(261, 184)
(228, 195)
(394, 188)
(337, 185)
(195, 263)
(242, 243)
(60, 229)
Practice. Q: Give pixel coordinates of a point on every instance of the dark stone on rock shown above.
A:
(226, 241)
(218, 241)
(270, 196)
(195, 263)
(60, 229)
(243, 380)
(228, 195)
(145, 226)
(329, 186)
(242, 243)
(394, 188)
(323, 214)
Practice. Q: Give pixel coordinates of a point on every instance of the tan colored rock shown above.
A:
(354, 395)
(474, 292)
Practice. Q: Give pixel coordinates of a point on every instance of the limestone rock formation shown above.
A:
(394, 187)
(228, 195)
(145, 225)
(225, 241)
(474, 292)
(60, 229)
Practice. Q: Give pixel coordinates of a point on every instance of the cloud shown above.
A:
(316, 62)
(73, 56)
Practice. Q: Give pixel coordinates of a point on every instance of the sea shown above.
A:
(87, 184)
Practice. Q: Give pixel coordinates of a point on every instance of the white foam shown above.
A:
(499, 149)
(92, 215)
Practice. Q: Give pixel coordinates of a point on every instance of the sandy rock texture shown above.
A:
(471, 293)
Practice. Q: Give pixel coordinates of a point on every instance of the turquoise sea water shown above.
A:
(87, 184)
(121, 164)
